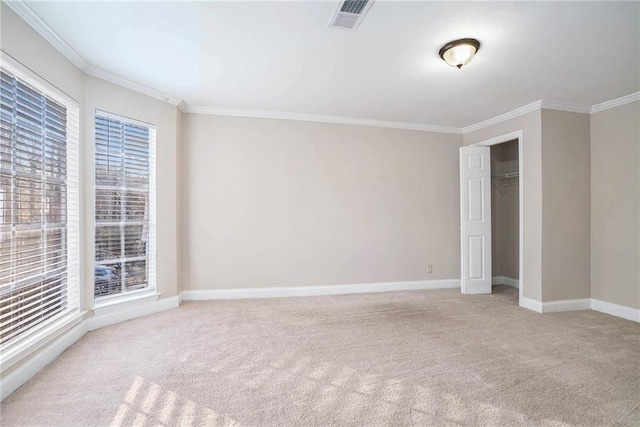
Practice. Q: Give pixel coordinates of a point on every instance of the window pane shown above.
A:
(108, 243)
(108, 205)
(6, 241)
(107, 279)
(122, 165)
(136, 275)
(33, 208)
(136, 203)
(29, 246)
(6, 201)
(134, 241)
(55, 203)
(56, 256)
(28, 197)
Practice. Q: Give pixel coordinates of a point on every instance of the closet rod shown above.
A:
(507, 175)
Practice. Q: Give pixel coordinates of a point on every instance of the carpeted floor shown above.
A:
(402, 358)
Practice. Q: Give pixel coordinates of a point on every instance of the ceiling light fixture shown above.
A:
(459, 52)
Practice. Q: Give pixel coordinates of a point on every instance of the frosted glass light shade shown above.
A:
(459, 52)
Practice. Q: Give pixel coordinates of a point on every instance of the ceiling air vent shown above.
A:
(349, 14)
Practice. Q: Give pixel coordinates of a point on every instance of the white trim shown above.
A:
(34, 342)
(566, 305)
(305, 291)
(262, 114)
(519, 135)
(31, 77)
(94, 71)
(617, 310)
(29, 16)
(124, 298)
(499, 139)
(623, 100)
(507, 281)
(621, 311)
(123, 119)
(553, 105)
(534, 106)
(11, 382)
(531, 304)
(566, 106)
(117, 313)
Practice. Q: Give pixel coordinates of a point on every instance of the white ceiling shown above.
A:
(280, 56)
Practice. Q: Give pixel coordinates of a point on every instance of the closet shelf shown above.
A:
(505, 180)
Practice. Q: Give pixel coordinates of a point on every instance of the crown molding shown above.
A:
(262, 114)
(134, 86)
(29, 16)
(566, 106)
(534, 106)
(22, 9)
(553, 105)
(623, 100)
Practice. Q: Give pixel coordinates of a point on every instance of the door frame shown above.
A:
(499, 140)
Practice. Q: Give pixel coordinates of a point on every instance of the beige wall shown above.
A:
(105, 96)
(179, 196)
(531, 126)
(615, 205)
(566, 242)
(291, 203)
(505, 224)
(556, 174)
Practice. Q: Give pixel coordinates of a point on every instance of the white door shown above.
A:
(475, 219)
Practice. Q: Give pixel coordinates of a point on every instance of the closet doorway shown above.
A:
(505, 213)
(491, 216)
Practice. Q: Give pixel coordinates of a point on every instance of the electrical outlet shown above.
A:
(430, 269)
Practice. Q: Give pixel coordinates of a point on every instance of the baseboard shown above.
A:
(531, 304)
(48, 354)
(504, 280)
(111, 315)
(305, 291)
(622, 311)
(179, 298)
(566, 305)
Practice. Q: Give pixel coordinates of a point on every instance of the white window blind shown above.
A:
(124, 205)
(39, 221)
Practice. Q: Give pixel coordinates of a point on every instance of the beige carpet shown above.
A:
(403, 358)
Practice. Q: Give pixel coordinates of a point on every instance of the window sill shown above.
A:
(123, 308)
(23, 349)
(118, 302)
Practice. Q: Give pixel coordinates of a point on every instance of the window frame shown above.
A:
(122, 297)
(47, 329)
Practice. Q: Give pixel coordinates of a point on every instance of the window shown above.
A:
(125, 206)
(39, 220)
